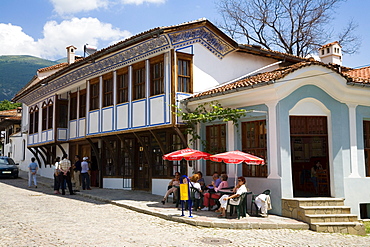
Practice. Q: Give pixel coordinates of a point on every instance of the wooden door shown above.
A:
(142, 180)
(309, 145)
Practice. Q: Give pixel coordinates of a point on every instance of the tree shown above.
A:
(296, 27)
(7, 105)
(207, 113)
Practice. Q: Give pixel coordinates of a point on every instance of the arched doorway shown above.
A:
(309, 145)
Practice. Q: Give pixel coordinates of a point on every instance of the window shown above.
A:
(160, 167)
(50, 115)
(216, 143)
(73, 106)
(181, 165)
(107, 90)
(138, 81)
(254, 141)
(157, 76)
(62, 121)
(127, 149)
(367, 147)
(36, 120)
(184, 80)
(82, 111)
(44, 116)
(94, 94)
(31, 121)
(110, 166)
(122, 86)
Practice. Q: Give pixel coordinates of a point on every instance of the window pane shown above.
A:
(122, 81)
(254, 142)
(108, 92)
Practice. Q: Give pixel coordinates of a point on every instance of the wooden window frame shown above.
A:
(36, 121)
(181, 87)
(215, 144)
(157, 75)
(44, 116)
(94, 94)
(366, 125)
(122, 85)
(107, 90)
(62, 121)
(50, 115)
(138, 81)
(73, 106)
(82, 101)
(31, 120)
(255, 142)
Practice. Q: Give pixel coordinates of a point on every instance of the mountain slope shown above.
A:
(17, 71)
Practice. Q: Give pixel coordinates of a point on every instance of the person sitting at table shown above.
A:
(215, 182)
(201, 180)
(207, 197)
(172, 187)
(238, 190)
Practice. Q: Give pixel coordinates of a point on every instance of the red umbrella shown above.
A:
(236, 157)
(187, 154)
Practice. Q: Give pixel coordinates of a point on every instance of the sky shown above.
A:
(44, 28)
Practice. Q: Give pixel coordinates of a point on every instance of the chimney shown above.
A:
(71, 54)
(331, 53)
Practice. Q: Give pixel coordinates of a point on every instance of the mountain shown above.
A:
(17, 71)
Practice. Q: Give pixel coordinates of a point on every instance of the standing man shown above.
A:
(77, 173)
(85, 174)
(32, 167)
(65, 168)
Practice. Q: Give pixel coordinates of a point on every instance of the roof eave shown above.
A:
(239, 89)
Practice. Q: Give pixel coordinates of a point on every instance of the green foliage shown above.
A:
(367, 226)
(17, 71)
(7, 105)
(207, 113)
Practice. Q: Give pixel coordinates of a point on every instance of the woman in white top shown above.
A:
(238, 190)
(56, 176)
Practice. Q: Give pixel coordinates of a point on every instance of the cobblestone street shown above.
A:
(36, 217)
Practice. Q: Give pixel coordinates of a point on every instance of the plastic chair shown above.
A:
(241, 208)
(253, 203)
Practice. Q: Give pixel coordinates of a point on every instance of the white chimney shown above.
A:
(71, 54)
(331, 53)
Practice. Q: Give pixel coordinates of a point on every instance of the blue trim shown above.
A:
(164, 108)
(113, 112)
(185, 47)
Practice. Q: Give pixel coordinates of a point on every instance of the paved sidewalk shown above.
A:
(148, 203)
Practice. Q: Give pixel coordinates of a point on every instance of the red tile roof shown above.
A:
(56, 66)
(272, 76)
(330, 44)
(360, 74)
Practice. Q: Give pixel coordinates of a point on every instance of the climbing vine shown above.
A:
(207, 113)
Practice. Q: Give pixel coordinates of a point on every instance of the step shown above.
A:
(326, 209)
(321, 201)
(326, 218)
(339, 227)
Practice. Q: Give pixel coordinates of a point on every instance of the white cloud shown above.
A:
(15, 42)
(57, 36)
(138, 2)
(68, 7)
(65, 7)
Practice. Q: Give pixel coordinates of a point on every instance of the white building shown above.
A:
(115, 107)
